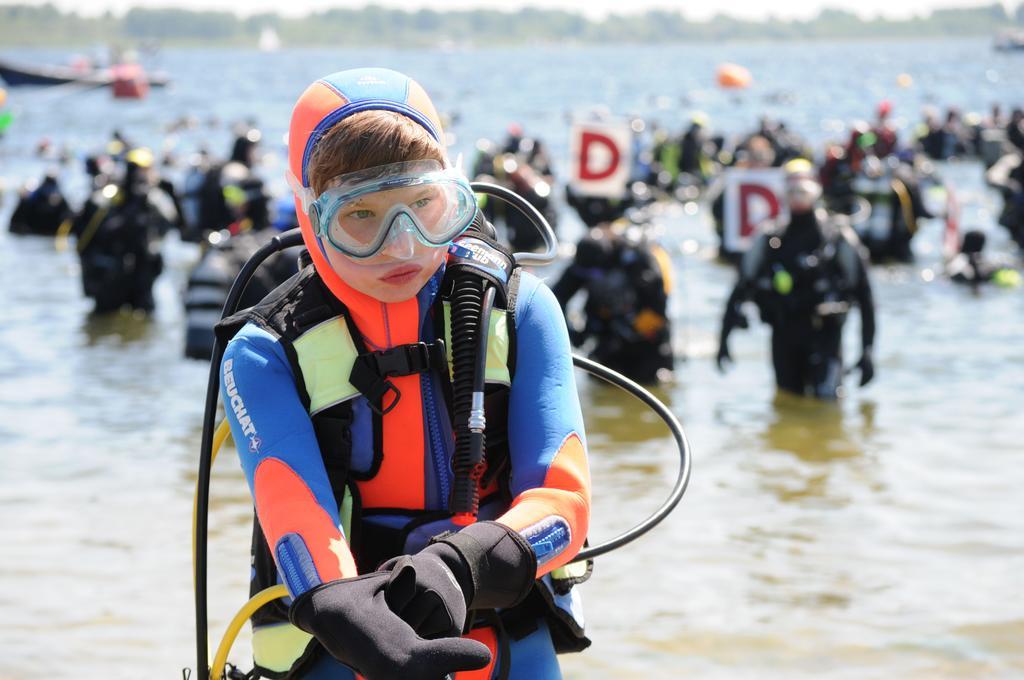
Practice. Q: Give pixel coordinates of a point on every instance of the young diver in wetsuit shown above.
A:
(341, 399)
(804, 276)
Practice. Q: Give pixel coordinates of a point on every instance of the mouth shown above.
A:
(401, 275)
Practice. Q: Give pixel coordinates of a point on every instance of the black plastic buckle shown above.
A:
(416, 357)
(371, 370)
(372, 385)
(388, 386)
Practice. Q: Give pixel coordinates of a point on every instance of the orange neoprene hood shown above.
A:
(326, 103)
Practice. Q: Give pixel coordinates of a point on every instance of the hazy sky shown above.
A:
(597, 8)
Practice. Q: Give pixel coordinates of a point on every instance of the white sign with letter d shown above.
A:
(600, 158)
(752, 197)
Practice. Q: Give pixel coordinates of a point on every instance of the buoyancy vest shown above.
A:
(327, 356)
(816, 284)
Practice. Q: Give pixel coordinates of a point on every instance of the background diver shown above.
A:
(41, 208)
(804, 276)
(522, 165)
(119, 231)
(971, 266)
(626, 279)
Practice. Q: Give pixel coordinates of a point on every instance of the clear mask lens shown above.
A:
(360, 213)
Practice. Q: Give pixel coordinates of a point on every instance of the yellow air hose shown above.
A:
(255, 602)
(248, 609)
(60, 241)
(90, 229)
(906, 204)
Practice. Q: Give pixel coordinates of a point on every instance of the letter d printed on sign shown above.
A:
(600, 158)
(751, 198)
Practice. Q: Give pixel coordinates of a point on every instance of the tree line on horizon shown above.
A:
(375, 26)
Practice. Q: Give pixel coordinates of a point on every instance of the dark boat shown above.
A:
(15, 74)
(1009, 41)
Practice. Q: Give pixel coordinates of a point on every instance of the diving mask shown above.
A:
(360, 212)
(803, 192)
(802, 187)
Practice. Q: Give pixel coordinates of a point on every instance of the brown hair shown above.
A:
(366, 140)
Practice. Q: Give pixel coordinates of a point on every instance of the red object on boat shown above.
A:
(129, 81)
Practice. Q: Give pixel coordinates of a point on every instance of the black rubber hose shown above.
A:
(466, 306)
(276, 244)
(682, 478)
(532, 214)
(480, 372)
(477, 421)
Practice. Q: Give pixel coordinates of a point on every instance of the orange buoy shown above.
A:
(733, 76)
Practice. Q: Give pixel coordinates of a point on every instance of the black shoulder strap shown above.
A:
(286, 311)
(333, 428)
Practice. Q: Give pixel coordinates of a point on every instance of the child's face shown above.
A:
(395, 274)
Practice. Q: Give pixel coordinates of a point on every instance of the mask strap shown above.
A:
(304, 194)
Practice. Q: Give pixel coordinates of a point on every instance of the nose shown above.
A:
(401, 242)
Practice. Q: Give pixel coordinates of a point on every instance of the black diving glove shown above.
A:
(493, 566)
(734, 318)
(423, 591)
(723, 358)
(351, 619)
(867, 367)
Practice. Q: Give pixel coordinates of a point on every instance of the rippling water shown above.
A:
(879, 537)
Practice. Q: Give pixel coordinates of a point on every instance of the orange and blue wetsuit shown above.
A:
(399, 462)
(343, 480)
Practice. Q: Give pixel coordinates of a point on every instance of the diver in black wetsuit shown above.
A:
(522, 165)
(626, 278)
(118, 232)
(971, 267)
(1015, 129)
(224, 254)
(694, 157)
(41, 210)
(890, 186)
(1007, 175)
(211, 206)
(804, 277)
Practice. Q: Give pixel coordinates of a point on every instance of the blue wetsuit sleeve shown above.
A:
(550, 480)
(279, 453)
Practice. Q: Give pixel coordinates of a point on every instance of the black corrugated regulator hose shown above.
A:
(471, 303)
